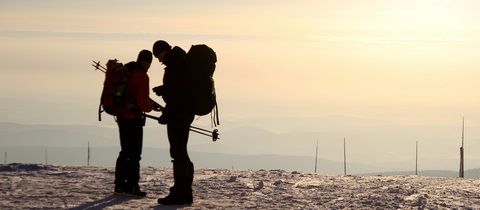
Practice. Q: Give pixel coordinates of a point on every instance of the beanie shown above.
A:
(160, 46)
(145, 56)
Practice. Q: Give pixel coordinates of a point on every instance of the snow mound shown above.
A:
(35, 186)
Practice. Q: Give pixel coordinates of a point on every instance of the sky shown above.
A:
(410, 62)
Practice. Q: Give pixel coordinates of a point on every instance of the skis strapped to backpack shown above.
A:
(201, 61)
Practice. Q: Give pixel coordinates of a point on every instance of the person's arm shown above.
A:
(143, 97)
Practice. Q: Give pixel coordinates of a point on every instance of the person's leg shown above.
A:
(134, 154)
(134, 157)
(181, 192)
(131, 133)
(122, 159)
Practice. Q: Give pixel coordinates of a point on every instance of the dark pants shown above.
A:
(127, 169)
(178, 131)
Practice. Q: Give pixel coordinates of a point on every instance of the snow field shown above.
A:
(34, 186)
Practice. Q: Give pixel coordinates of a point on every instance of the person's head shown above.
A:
(145, 58)
(160, 48)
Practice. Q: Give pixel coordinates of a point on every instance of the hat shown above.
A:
(160, 46)
(145, 56)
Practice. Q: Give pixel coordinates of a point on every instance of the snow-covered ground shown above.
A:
(34, 186)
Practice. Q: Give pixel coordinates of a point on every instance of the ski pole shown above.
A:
(214, 134)
(98, 66)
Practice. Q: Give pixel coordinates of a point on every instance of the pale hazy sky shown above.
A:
(407, 61)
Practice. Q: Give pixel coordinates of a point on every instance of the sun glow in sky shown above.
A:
(391, 71)
(406, 61)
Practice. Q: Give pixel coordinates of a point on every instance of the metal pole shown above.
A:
(316, 157)
(88, 155)
(461, 174)
(462, 169)
(214, 134)
(416, 159)
(344, 157)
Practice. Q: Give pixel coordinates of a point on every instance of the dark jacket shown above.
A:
(175, 88)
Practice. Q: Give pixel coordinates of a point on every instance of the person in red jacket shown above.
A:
(130, 124)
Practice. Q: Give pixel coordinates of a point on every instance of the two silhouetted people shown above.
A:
(177, 116)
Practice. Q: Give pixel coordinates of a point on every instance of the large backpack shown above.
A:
(201, 61)
(114, 99)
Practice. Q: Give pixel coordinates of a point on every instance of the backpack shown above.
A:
(114, 99)
(201, 61)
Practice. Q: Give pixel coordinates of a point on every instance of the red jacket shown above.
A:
(138, 90)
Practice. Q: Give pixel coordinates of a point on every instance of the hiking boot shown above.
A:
(134, 192)
(175, 200)
(118, 191)
(189, 198)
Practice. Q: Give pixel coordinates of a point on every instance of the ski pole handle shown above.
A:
(156, 106)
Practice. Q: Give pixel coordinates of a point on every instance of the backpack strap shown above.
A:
(215, 120)
(214, 115)
(130, 103)
(100, 111)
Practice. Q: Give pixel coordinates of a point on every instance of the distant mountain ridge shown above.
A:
(156, 157)
(247, 146)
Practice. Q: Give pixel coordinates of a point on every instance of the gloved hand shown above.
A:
(158, 90)
(163, 119)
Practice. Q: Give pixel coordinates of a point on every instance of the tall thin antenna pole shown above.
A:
(416, 159)
(5, 157)
(316, 157)
(461, 174)
(344, 157)
(88, 154)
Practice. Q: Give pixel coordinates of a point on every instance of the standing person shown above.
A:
(178, 116)
(130, 124)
